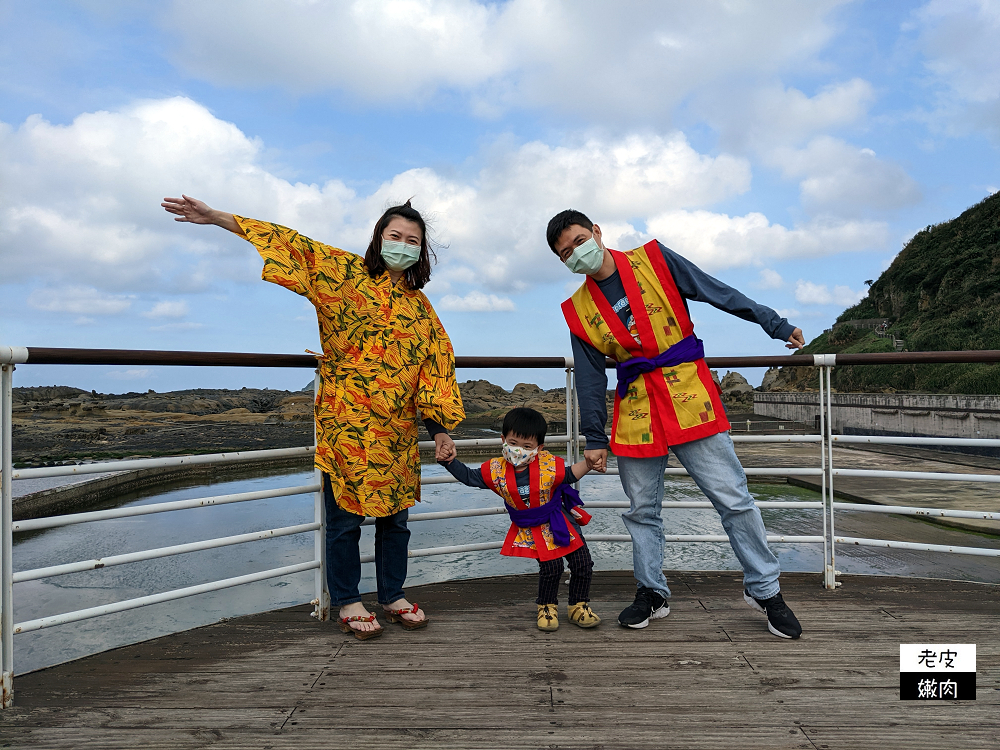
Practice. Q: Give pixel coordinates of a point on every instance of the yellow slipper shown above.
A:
(581, 614)
(548, 617)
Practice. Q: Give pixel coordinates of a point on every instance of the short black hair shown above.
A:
(559, 223)
(525, 423)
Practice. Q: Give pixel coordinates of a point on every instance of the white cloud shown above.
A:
(959, 42)
(86, 209)
(608, 57)
(79, 203)
(843, 179)
(759, 118)
(476, 301)
(770, 279)
(84, 206)
(959, 38)
(790, 131)
(168, 309)
(717, 241)
(79, 300)
(788, 312)
(808, 293)
(396, 49)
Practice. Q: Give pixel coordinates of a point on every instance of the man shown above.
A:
(633, 309)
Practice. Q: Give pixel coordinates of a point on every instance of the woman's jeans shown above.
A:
(713, 465)
(343, 556)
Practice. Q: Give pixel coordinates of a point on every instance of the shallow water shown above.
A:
(91, 540)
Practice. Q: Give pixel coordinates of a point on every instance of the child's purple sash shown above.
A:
(564, 497)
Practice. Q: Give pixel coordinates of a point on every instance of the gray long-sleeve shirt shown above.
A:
(692, 283)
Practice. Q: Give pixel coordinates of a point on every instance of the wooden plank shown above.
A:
(483, 675)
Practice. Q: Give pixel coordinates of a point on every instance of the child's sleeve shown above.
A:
(570, 476)
(465, 475)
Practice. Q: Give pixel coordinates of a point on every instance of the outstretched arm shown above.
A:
(693, 283)
(194, 211)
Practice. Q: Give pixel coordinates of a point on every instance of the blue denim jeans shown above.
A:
(343, 557)
(713, 465)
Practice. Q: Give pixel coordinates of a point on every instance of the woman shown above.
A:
(386, 357)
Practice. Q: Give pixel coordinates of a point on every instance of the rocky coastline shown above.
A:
(56, 424)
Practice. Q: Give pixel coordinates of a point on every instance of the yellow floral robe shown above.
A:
(386, 357)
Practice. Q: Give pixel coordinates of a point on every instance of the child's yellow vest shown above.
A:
(665, 407)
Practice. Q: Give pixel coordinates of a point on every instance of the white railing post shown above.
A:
(822, 464)
(569, 415)
(830, 571)
(572, 419)
(6, 539)
(321, 601)
(577, 451)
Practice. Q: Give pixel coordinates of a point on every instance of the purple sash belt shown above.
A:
(688, 349)
(564, 497)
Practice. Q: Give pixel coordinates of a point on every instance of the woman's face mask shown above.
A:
(586, 258)
(399, 256)
(518, 456)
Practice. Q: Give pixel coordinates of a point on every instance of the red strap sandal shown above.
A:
(361, 635)
(396, 615)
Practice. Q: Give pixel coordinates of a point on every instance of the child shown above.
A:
(544, 511)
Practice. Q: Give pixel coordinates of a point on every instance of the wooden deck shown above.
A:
(482, 676)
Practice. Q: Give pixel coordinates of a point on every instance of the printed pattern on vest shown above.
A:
(667, 406)
(537, 541)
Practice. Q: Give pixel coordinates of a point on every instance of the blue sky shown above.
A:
(788, 148)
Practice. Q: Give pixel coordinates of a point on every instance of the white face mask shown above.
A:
(586, 258)
(399, 256)
(518, 456)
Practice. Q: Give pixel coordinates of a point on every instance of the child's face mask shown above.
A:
(518, 456)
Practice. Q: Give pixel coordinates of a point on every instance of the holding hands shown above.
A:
(444, 447)
(597, 460)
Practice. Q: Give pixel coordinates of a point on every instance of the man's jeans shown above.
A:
(343, 557)
(713, 465)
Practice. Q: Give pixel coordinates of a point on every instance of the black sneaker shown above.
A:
(780, 619)
(648, 605)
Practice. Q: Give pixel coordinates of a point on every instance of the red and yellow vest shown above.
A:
(544, 474)
(671, 405)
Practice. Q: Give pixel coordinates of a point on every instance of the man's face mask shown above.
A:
(399, 256)
(586, 258)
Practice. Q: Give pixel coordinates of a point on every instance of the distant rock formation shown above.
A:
(75, 401)
(735, 383)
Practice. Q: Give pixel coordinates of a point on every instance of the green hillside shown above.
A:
(941, 293)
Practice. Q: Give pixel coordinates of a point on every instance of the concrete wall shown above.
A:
(81, 496)
(935, 415)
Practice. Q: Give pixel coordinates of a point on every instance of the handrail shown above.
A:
(71, 356)
(68, 356)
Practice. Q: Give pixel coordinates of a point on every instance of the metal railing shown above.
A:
(11, 356)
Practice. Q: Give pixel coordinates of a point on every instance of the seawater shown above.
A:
(99, 539)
